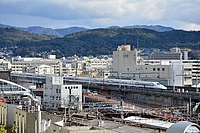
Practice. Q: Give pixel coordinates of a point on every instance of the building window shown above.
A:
(163, 69)
(158, 69)
(154, 69)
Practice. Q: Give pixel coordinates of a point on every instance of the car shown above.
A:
(95, 93)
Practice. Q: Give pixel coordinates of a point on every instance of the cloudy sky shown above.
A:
(179, 14)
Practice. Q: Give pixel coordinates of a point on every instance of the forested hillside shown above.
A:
(14, 37)
(100, 41)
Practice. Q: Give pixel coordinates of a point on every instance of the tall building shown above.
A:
(125, 60)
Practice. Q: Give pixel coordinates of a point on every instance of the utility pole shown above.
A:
(197, 84)
(190, 107)
(173, 81)
(103, 80)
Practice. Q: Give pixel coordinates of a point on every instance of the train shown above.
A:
(122, 82)
(134, 83)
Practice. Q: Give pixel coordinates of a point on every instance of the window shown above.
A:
(163, 69)
(158, 69)
(154, 69)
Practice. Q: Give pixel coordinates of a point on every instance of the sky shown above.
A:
(178, 14)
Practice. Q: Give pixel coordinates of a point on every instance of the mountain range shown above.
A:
(66, 31)
(96, 41)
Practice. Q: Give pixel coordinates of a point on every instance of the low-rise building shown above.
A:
(20, 64)
(59, 95)
(5, 65)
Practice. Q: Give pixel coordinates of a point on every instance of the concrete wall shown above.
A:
(3, 113)
(27, 122)
(10, 110)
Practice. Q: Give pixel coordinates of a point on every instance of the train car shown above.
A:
(146, 84)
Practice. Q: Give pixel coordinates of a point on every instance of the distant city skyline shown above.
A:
(178, 14)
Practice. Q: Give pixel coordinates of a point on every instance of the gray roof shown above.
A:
(182, 127)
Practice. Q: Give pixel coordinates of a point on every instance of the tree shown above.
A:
(14, 128)
(2, 129)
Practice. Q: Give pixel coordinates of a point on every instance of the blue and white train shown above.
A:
(144, 84)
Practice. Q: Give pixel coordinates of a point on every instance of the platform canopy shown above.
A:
(184, 127)
(8, 87)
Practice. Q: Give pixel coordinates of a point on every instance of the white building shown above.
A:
(20, 64)
(58, 95)
(95, 64)
(5, 65)
(40, 69)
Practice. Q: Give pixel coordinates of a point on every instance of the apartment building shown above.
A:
(23, 64)
(166, 56)
(95, 64)
(39, 69)
(174, 54)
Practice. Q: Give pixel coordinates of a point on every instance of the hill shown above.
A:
(41, 30)
(12, 37)
(105, 41)
(158, 28)
(66, 31)
(48, 31)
